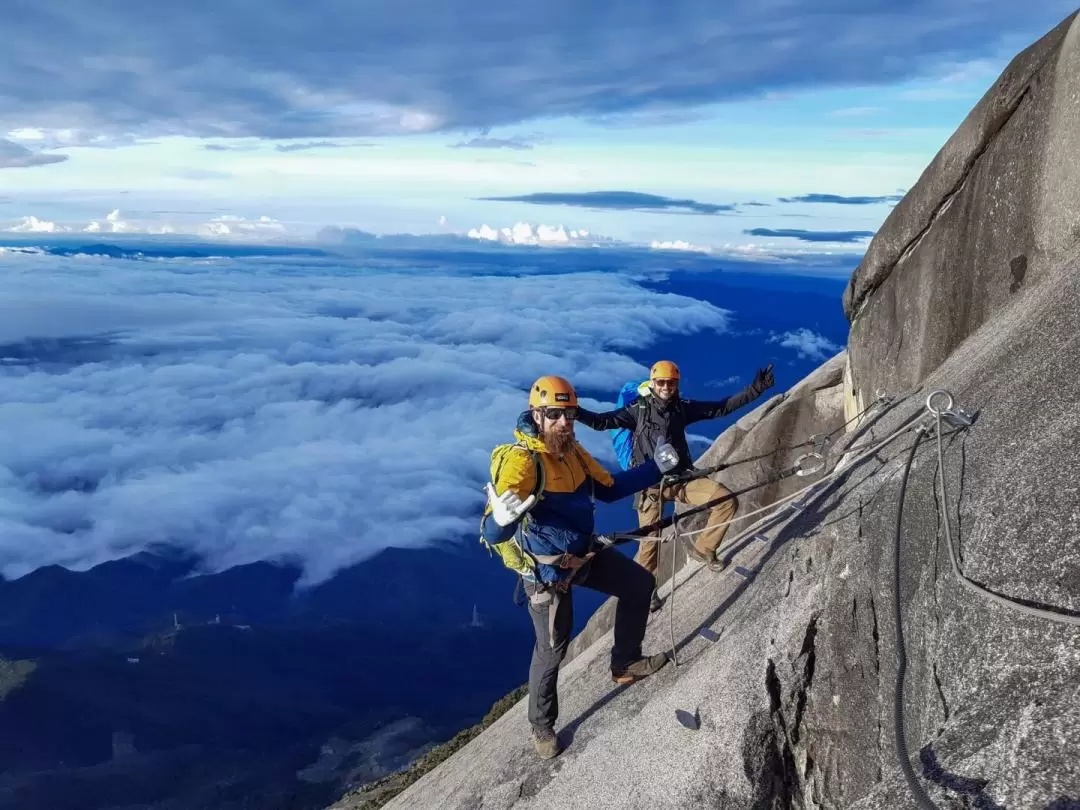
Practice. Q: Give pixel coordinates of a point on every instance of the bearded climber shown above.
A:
(546, 482)
(660, 414)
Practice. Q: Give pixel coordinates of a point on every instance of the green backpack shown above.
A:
(510, 551)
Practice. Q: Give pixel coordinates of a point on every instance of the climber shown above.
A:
(546, 482)
(660, 414)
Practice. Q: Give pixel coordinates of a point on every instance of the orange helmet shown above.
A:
(664, 370)
(552, 391)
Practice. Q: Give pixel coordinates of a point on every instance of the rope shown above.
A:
(671, 595)
(702, 472)
(783, 502)
(752, 529)
(971, 585)
(663, 523)
(656, 526)
(902, 753)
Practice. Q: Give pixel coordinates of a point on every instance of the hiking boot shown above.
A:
(708, 560)
(545, 742)
(655, 603)
(642, 668)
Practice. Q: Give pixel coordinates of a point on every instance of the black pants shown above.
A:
(608, 572)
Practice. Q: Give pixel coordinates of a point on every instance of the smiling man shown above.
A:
(545, 485)
(660, 416)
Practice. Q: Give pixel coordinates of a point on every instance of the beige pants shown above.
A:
(692, 493)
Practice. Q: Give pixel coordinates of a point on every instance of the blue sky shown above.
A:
(395, 118)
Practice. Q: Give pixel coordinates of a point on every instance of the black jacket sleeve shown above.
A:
(698, 410)
(609, 420)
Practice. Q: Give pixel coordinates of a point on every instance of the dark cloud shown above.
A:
(841, 200)
(331, 68)
(14, 156)
(812, 236)
(618, 201)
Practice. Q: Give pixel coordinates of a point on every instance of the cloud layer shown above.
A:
(14, 156)
(618, 201)
(516, 142)
(283, 69)
(811, 236)
(838, 199)
(807, 344)
(298, 407)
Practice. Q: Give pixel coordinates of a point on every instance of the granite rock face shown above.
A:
(783, 696)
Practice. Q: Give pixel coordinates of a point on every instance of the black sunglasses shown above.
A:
(553, 414)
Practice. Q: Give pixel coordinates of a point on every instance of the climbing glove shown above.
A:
(508, 507)
(763, 381)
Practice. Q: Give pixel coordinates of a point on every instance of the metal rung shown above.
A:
(709, 635)
(744, 572)
(761, 537)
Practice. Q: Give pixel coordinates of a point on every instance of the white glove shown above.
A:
(666, 457)
(508, 507)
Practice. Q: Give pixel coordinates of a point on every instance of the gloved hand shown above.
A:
(508, 507)
(666, 457)
(763, 381)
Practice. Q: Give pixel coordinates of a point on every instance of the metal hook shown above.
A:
(957, 417)
(930, 402)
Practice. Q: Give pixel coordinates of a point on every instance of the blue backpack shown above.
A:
(622, 439)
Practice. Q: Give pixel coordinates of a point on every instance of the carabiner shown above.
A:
(818, 466)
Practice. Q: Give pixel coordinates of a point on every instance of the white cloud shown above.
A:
(727, 382)
(524, 233)
(679, 244)
(286, 407)
(65, 138)
(233, 225)
(807, 344)
(34, 225)
(224, 226)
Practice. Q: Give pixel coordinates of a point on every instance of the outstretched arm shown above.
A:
(628, 482)
(698, 410)
(608, 420)
(608, 487)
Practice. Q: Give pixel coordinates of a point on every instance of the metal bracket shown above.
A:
(957, 417)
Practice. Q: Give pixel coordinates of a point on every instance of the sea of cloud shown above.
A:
(305, 408)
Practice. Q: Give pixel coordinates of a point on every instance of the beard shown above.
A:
(559, 439)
